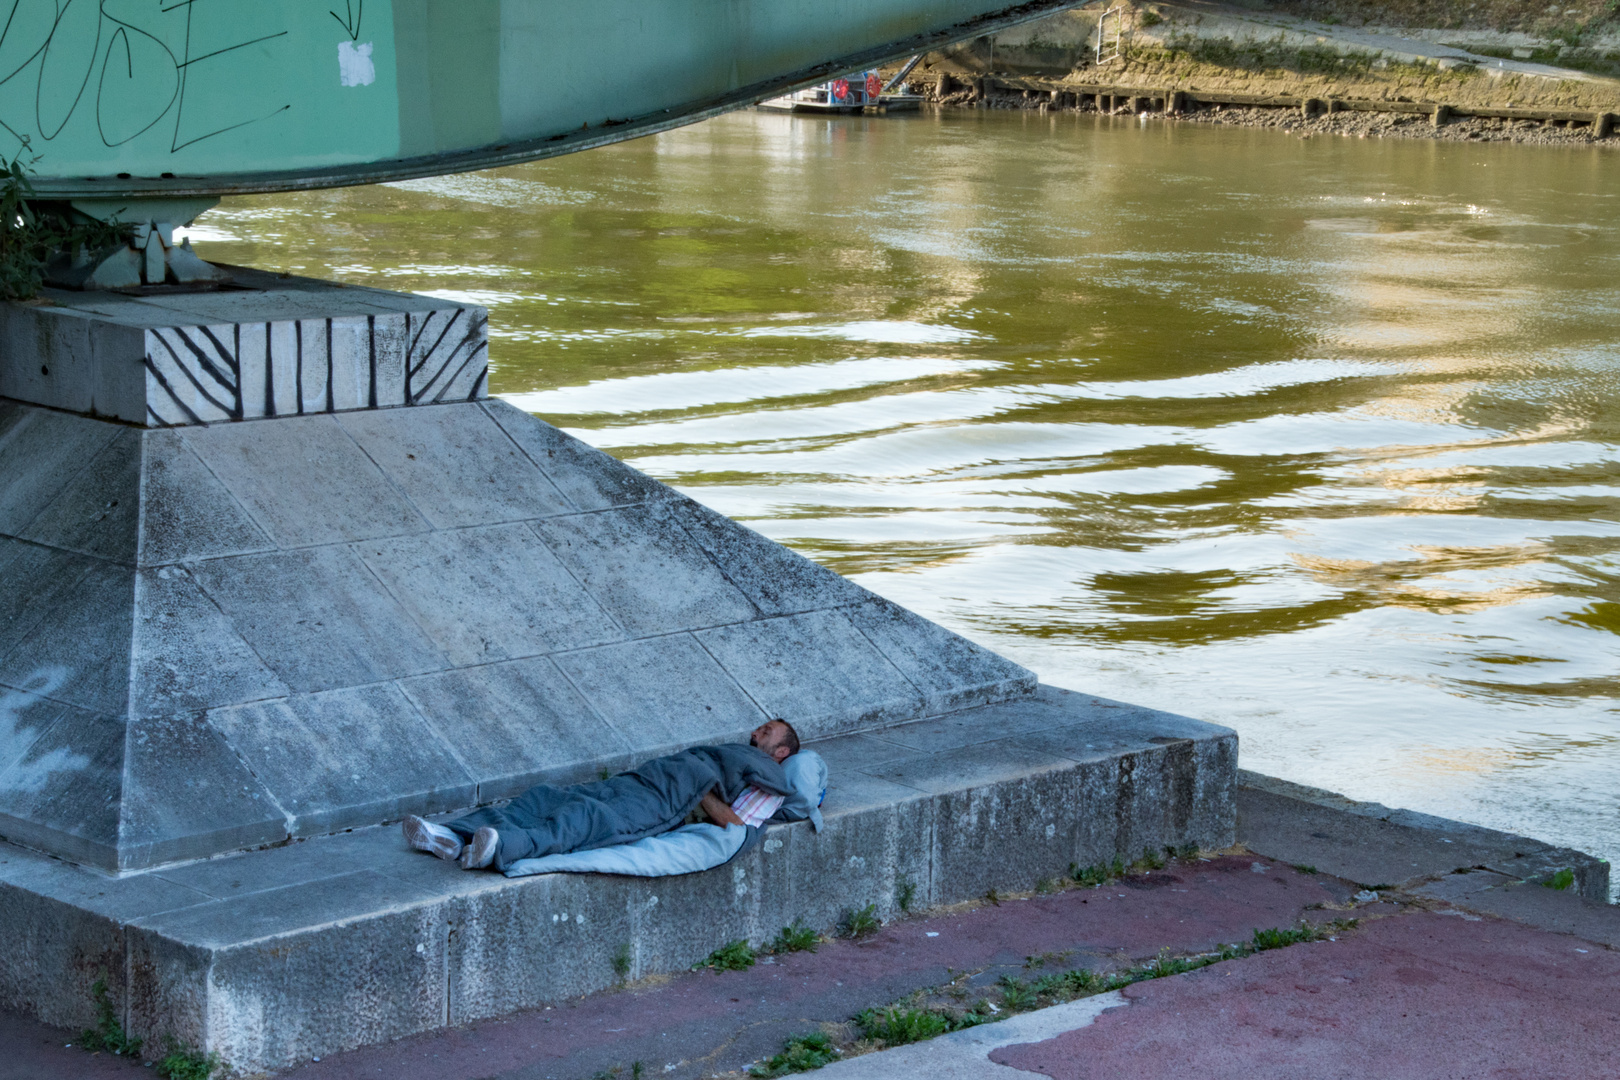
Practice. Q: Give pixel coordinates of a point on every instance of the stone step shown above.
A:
(271, 957)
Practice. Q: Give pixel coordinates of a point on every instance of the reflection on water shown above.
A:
(1315, 438)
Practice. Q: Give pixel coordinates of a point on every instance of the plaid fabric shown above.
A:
(755, 806)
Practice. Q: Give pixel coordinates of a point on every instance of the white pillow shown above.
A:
(807, 773)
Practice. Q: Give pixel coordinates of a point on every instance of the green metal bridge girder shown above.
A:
(168, 98)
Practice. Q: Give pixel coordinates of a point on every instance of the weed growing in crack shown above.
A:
(1016, 994)
(1305, 868)
(905, 894)
(859, 923)
(108, 1034)
(1045, 887)
(795, 938)
(801, 1053)
(1561, 880)
(897, 1027)
(184, 1063)
(733, 956)
(1150, 860)
(621, 962)
(993, 897)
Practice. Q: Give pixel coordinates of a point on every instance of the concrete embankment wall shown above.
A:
(1249, 57)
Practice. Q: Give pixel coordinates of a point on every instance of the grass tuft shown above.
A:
(795, 938)
(859, 923)
(897, 1027)
(733, 956)
(801, 1053)
(905, 894)
(184, 1063)
(1562, 880)
(108, 1034)
(1305, 868)
(621, 961)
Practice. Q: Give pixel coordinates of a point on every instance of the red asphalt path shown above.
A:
(1418, 995)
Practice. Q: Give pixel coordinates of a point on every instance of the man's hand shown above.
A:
(717, 810)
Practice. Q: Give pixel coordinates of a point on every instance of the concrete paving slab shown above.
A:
(63, 793)
(950, 671)
(57, 447)
(662, 692)
(84, 639)
(456, 465)
(188, 514)
(1376, 845)
(190, 656)
(98, 512)
(39, 579)
(186, 795)
(815, 671)
(318, 618)
(346, 758)
(336, 492)
(490, 593)
(777, 579)
(517, 724)
(966, 1055)
(591, 479)
(644, 570)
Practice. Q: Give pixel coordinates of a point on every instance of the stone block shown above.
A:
(188, 514)
(40, 454)
(816, 671)
(293, 972)
(645, 571)
(950, 671)
(82, 642)
(305, 481)
(98, 512)
(864, 856)
(24, 716)
(1006, 835)
(318, 618)
(446, 356)
(662, 694)
(456, 465)
(70, 360)
(63, 793)
(1019, 716)
(380, 848)
(570, 928)
(777, 579)
(186, 653)
(518, 724)
(34, 582)
(591, 479)
(186, 795)
(346, 758)
(486, 594)
(849, 753)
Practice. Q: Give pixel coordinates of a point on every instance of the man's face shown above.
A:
(768, 737)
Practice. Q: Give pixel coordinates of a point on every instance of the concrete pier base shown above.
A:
(275, 956)
(275, 572)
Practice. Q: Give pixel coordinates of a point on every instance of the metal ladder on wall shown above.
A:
(1108, 47)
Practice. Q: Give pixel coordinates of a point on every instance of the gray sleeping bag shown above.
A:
(650, 799)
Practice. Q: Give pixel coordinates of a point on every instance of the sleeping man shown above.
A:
(732, 783)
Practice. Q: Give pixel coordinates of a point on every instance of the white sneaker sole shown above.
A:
(433, 839)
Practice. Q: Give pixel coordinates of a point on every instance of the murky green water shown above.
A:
(1316, 438)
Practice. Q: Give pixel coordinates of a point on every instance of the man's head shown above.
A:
(777, 738)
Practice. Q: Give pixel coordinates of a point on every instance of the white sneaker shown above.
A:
(434, 839)
(480, 850)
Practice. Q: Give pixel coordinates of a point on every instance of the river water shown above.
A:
(1311, 437)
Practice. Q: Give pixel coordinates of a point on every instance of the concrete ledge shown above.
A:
(274, 956)
(1373, 844)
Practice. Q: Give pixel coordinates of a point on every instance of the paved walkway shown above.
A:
(1413, 991)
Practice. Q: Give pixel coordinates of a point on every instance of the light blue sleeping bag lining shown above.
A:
(689, 848)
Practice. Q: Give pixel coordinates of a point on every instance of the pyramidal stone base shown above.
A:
(275, 572)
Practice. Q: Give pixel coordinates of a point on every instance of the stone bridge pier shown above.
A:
(275, 571)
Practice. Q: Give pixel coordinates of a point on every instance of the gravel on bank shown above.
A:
(1354, 124)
